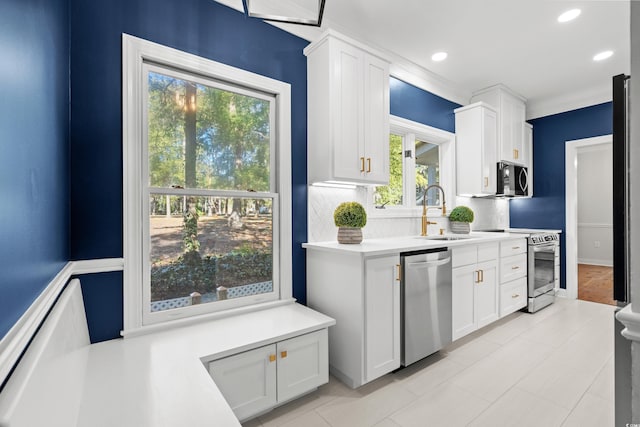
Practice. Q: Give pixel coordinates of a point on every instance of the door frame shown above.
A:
(571, 208)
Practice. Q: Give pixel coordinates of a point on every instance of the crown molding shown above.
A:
(537, 108)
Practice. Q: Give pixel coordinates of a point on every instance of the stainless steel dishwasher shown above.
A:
(425, 303)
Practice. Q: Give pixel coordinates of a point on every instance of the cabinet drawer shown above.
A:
(488, 252)
(465, 255)
(513, 247)
(513, 267)
(513, 296)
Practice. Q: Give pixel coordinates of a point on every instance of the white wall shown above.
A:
(489, 214)
(595, 217)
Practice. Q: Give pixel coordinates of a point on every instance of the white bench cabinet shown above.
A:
(257, 380)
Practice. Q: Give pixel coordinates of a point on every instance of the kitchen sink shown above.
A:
(444, 237)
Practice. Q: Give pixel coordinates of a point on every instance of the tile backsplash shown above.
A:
(489, 214)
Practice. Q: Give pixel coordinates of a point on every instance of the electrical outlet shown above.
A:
(596, 243)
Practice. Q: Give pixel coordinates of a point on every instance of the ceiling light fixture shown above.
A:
(603, 55)
(302, 12)
(569, 15)
(439, 56)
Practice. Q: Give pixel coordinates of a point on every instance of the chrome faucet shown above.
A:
(424, 208)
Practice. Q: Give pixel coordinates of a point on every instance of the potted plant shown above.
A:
(459, 218)
(350, 217)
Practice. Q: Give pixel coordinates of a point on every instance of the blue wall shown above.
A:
(34, 150)
(546, 209)
(201, 27)
(415, 104)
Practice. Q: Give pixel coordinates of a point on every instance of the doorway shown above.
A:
(589, 229)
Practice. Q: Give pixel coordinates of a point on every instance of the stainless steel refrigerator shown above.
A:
(621, 261)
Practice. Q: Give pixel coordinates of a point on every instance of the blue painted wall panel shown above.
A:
(415, 104)
(102, 294)
(201, 27)
(34, 150)
(546, 209)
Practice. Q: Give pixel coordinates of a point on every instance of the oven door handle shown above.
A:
(545, 248)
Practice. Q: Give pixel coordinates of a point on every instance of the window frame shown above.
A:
(411, 131)
(136, 55)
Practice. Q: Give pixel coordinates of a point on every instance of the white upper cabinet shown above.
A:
(348, 112)
(511, 122)
(476, 157)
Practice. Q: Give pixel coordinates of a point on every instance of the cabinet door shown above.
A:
(247, 380)
(349, 162)
(489, 151)
(382, 316)
(486, 294)
(464, 281)
(303, 364)
(512, 116)
(376, 120)
(476, 155)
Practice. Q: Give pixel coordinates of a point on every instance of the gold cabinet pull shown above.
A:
(477, 276)
(515, 295)
(283, 354)
(515, 267)
(272, 358)
(486, 181)
(361, 164)
(368, 164)
(482, 275)
(515, 248)
(399, 276)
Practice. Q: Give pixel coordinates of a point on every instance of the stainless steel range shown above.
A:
(543, 269)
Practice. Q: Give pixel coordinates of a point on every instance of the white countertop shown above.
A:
(154, 380)
(391, 245)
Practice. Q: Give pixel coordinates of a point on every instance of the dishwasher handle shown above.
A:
(426, 264)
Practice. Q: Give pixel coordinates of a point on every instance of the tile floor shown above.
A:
(551, 368)
(595, 283)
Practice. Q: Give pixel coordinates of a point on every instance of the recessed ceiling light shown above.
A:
(603, 55)
(439, 56)
(569, 15)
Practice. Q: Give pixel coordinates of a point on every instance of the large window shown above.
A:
(206, 142)
(416, 153)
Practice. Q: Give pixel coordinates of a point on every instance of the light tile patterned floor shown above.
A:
(551, 368)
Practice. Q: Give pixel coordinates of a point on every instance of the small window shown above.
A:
(413, 165)
(427, 171)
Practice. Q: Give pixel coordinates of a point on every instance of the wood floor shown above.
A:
(595, 283)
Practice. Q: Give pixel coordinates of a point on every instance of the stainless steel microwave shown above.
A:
(513, 180)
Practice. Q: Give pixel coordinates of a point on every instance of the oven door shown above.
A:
(542, 271)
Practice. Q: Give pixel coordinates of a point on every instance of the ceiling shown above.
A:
(518, 43)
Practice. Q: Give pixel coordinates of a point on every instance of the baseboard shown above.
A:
(16, 341)
(598, 262)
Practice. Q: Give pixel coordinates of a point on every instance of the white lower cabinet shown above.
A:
(363, 295)
(382, 316)
(475, 288)
(257, 380)
(513, 276)
(513, 296)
